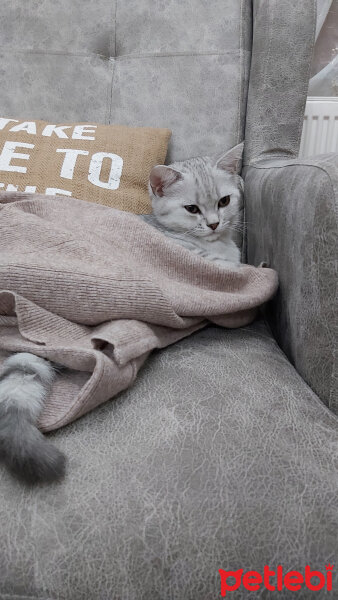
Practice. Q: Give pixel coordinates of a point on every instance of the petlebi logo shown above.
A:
(275, 580)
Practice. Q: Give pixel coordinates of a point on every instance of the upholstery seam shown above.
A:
(172, 54)
(241, 87)
(120, 57)
(110, 92)
(114, 69)
(240, 80)
(297, 163)
(298, 160)
(55, 53)
(266, 59)
(115, 29)
(307, 79)
(272, 155)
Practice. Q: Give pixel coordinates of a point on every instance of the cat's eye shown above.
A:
(224, 201)
(192, 208)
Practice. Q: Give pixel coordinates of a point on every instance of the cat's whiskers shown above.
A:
(196, 228)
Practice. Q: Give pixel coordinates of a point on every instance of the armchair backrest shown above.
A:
(183, 64)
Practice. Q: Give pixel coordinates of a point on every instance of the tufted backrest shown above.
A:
(181, 64)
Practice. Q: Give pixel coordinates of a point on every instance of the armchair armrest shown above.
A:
(291, 214)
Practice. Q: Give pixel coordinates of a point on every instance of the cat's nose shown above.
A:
(213, 226)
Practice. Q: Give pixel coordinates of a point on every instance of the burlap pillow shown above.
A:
(107, 164)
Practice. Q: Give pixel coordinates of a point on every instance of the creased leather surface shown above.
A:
(219, 457)
(150, 62)
(283, 38)
(291, 209)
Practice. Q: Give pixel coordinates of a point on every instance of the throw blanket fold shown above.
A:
(96, 289)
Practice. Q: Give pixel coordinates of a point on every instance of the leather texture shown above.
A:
(283, 39)
(291, 210)
(219, 457)
(181, 65)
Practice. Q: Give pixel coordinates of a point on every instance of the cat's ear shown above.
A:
(161, 178)
(231, 161)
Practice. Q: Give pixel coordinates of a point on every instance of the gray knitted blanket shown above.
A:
(96, 290)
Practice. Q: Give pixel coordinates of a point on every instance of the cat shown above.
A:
(198, 203)
(25, 382)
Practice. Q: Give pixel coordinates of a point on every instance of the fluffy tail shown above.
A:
(25, 380)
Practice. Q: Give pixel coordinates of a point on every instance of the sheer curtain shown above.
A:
(324, 80)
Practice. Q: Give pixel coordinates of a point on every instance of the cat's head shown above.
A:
(199, 196)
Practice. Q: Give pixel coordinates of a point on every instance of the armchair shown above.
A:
(291, 204)
(223, 454)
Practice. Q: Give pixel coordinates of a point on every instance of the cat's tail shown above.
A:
(25, 381)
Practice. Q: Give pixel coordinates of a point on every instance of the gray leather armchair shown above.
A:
(223, 454)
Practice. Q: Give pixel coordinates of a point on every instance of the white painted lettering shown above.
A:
(50, 129)
(4, 122)
(28, 126)
(69, 162)
(80, 130)
(57, 192)
(8, 153)
(95, 168)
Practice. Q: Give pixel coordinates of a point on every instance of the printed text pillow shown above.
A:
(106, 164)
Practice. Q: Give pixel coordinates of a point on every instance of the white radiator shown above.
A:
(320, 130)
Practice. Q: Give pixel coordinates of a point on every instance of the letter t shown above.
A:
(68, 166)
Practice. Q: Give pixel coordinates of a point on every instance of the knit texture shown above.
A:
(106, 164)
(96, 289)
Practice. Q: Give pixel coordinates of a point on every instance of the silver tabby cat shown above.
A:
(198, 203)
